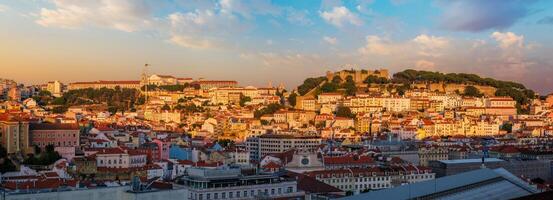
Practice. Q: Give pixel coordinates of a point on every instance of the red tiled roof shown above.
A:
(106, 82)
(312, 185)
(110, 151)
(56, 126)
(40, 184)
(272, 165)
(185, 162)
(348, 160)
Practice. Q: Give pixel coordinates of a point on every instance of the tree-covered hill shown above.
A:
(515, 90)
(402, 80)
(116, 99)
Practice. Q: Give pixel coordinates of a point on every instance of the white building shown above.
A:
(205, 184)
(277, 143)
(55, 88)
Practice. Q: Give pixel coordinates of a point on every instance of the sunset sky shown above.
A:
(257, 41)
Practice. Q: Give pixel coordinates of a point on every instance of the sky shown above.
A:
(258, 42)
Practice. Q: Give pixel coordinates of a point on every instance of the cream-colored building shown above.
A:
(329, 98)
(55, 88)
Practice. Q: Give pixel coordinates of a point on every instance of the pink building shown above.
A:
(58, 135)
(157, 150)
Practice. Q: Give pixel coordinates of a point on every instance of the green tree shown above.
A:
(269, 109)
(309, 84)
(6, 165)
(375, 79)
(37, 150)
(336, 80)
(472, 91)
(112, 109)
(292, 99)
(46, 157)
(3, 151)
(244, 99)
(58, 101)
(507, 127)
(342, 111)
(59, 109)
(225, 143)
(329, 87)
(349, 86)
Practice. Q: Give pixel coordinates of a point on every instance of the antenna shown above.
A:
(145, 81)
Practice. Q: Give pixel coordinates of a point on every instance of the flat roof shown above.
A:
(475, 160)
(509, 185)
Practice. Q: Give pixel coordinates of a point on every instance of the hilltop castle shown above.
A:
(358, 75)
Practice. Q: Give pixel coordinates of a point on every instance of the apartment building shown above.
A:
(231, 183)
(58, 135)
(276, 143)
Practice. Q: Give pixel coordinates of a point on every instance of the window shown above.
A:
(216, 195)
(230, 195)
(223, 195)
(290, 190)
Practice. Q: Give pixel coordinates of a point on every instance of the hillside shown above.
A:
(462, 83)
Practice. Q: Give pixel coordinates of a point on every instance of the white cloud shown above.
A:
(513, 52)
(508, 39)
(246, 8)
(421, 45)
(425, 65)
(340, 16)
(287, 59)
(217, 27)
(125, 15)
(377, 46)
(330, 40)
(430, 45)
(192, 42)
(203, 29)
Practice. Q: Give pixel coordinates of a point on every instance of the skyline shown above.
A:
(253, 41)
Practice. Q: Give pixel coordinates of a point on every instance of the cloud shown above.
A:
(362, 6)
(423, 45)
(247, 8)
(299, 17)
(477, 15)
(430, 45)
(513, 52)
(124, 15)
(288, 59)
(192, 42)
(3, 8)
(202, 29)
(340, 16)
(546, 20)
(508, 40)
(330, 40)
(377, 46)
(425, 65)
